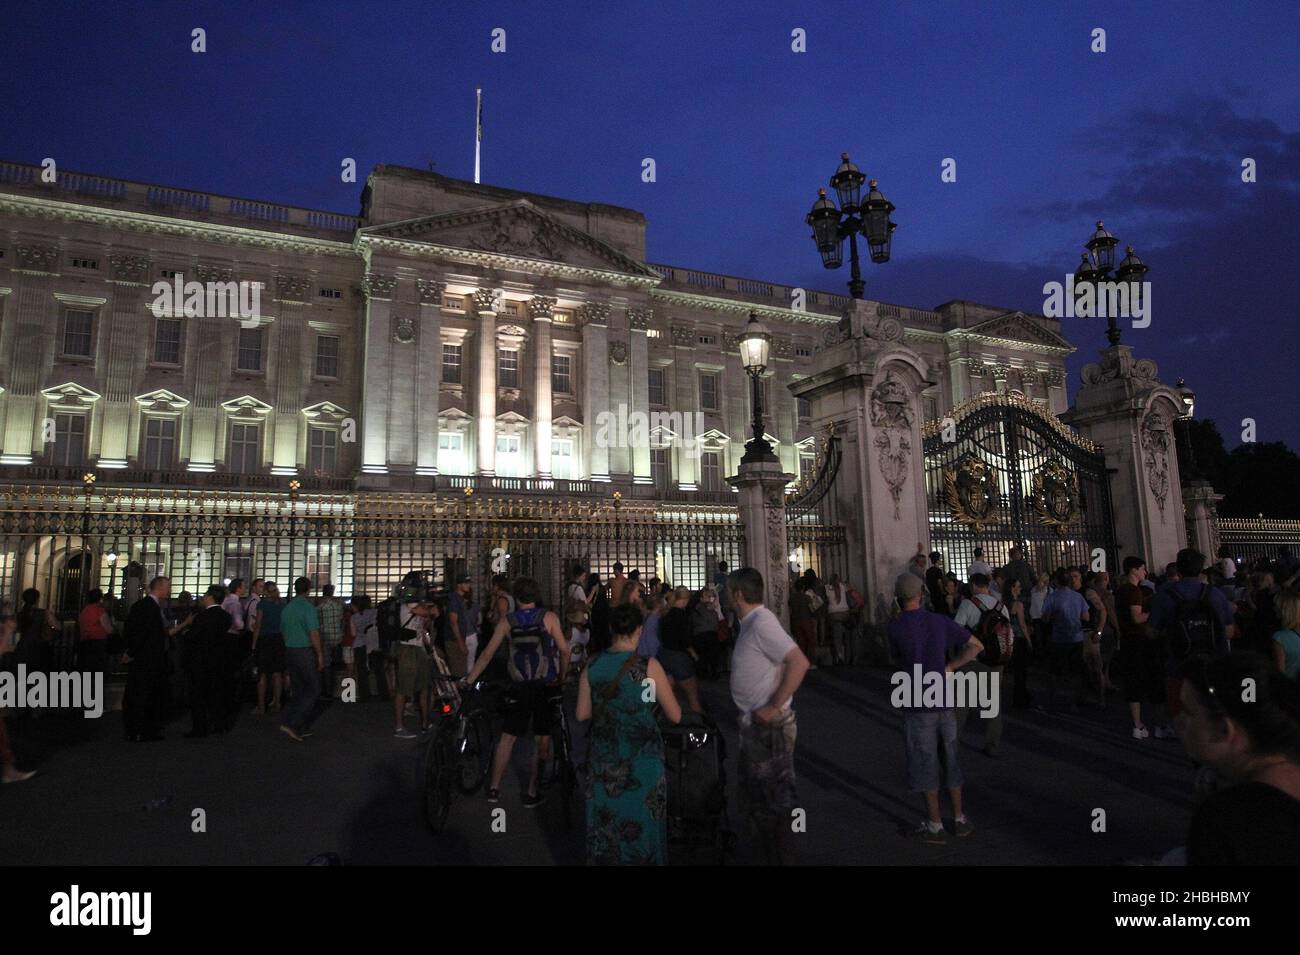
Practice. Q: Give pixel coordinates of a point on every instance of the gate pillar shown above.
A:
(866, 385)
(1124, 407)
(762, 487)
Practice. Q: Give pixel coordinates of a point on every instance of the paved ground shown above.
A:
(354, 790)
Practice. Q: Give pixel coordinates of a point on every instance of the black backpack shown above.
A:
(1192, 632)
(388, 621)
(994, 631)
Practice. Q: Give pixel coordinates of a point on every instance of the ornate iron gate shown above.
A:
(814, 530)
(1001, 471)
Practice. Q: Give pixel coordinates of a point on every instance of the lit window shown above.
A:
(451, 452)
(69, 440)
(562, 458)
(509, 459)
(656, 381)
(709, 391)
(710, 471)
(660, 468)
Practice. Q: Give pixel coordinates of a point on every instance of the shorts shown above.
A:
(1142, 670)
(413, 670)
(677, 664)
(767, 791)
(927, 733)
(528, 707)
(270, 653)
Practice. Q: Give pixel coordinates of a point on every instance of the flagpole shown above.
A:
(478, 129)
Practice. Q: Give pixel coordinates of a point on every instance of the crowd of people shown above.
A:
(1207, 653)
(1176, 646)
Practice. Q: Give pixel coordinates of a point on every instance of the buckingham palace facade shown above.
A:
(451, 329)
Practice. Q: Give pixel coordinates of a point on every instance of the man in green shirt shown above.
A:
(304, 659)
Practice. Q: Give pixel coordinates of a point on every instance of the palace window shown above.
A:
(508, 367)
(562, 374)
(656, 382)
(709, 391)
(509, 455)
(805, 407)
(159, 443)
(78, 332)
(322, 452)
(318, 565)
(90, 265)
(69, 440)
(451, 359)
(711, 471)
(806, 464)
(250, 350)
(330, 293)
(244, 449)
(704, 339)
(562, 458)
(167, 341)
(451, 452)
(454, 302)
(327, 356)
(802, 351)
(661, 472)
(238, 562)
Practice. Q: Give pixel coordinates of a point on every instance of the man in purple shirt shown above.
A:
(922, 641)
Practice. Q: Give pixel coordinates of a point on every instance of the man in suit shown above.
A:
(203, 654)
(146, 631)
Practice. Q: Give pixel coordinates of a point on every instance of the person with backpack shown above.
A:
(1194, 618)
(414, 666)
(627, 799)
(989, 621)
(537, 655)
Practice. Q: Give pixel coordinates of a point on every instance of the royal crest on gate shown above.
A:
(1055, 496)
(971, 491)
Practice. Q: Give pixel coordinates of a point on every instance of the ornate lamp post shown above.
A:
(1097, 262)
(832, 225)
(88, 486)
(1183, 425)
(294, 487)
(755, 348)
(618, 530)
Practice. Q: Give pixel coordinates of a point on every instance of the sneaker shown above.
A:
(923, 833)
(288, 731)
(12, 775)
(1165, 732)
(962, 827)
(1141, 732)
(494, 795)
(404, 733)
(532, 802)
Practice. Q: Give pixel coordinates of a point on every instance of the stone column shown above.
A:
(429, 375)
(486, 303)
(594, 317)
(761, 486)
(1124, 407)
(1203, 518)
(376, 380)
(639, 364)
(291, 375)
(684, 400)
(540, 308)
(866, 384)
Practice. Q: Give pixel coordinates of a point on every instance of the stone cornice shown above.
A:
(961, 334)
(741, 307)
(40, 208)
(504, 262)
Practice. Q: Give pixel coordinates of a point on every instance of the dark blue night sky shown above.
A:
(1048, 136)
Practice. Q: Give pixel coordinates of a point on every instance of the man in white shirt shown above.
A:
(767, 668)
(979, 566)
(968, 616)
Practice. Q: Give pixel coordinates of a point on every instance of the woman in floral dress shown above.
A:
(626, 794)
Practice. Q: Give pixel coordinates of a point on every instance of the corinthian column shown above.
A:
(540, 308)
(486, 303)
(430, 375)
(595, 387)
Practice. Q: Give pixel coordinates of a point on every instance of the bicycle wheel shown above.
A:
(474, 755)
(438, 768)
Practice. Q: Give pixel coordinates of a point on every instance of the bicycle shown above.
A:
(563, 770)
(459, 750)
